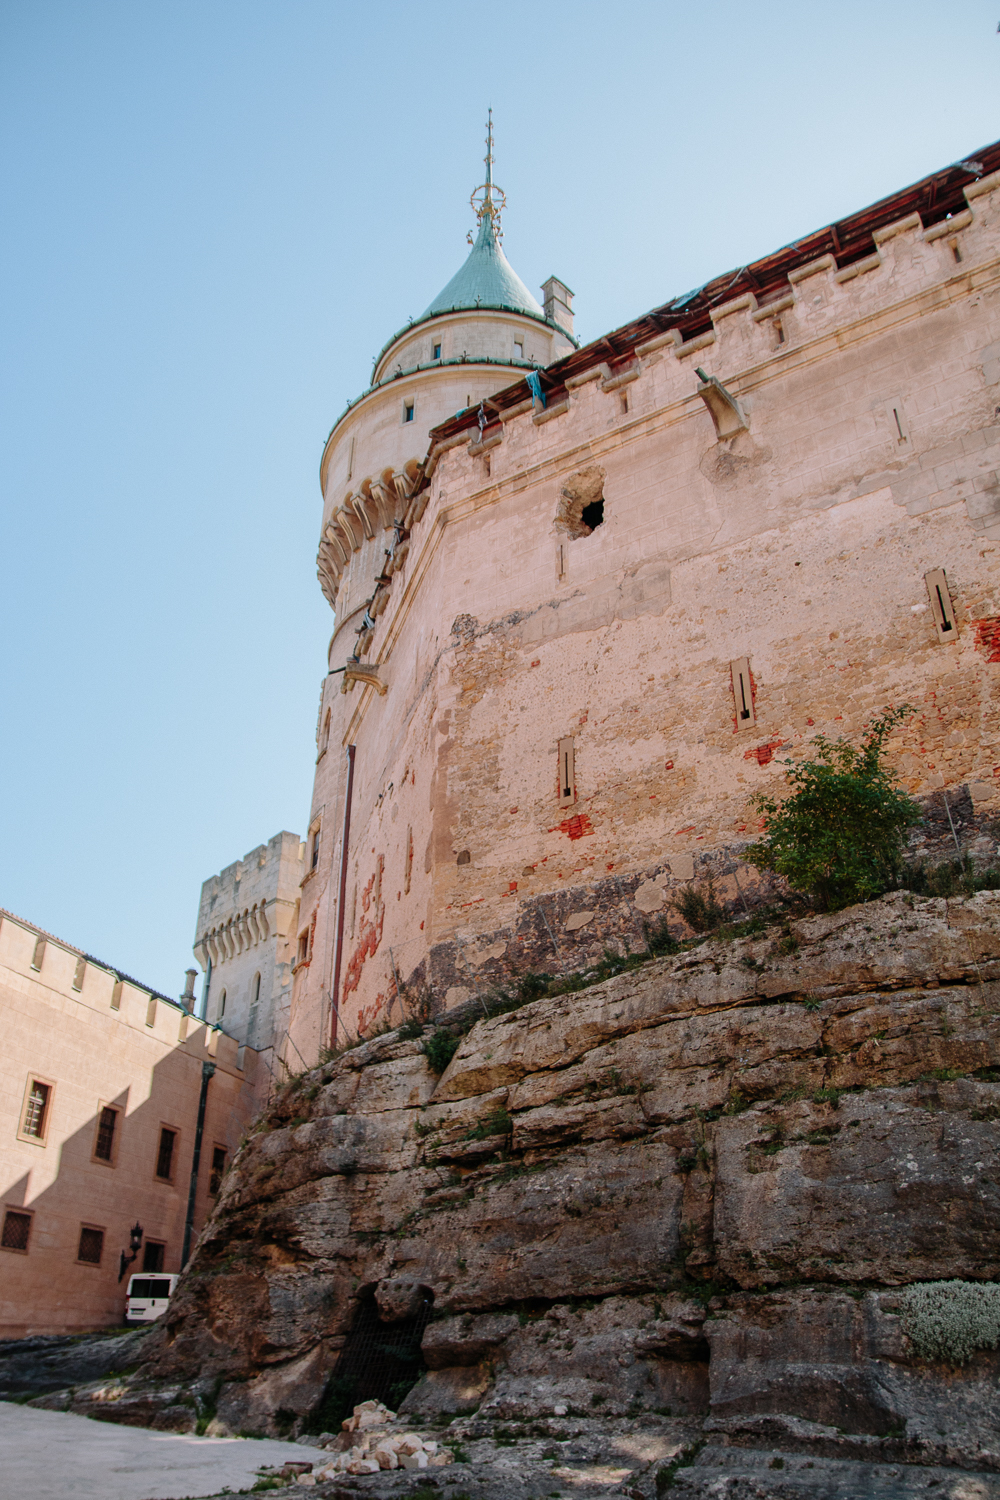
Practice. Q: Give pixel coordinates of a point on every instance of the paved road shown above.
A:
(52, 1455)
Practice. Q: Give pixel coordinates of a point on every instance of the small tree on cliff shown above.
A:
(839, 835)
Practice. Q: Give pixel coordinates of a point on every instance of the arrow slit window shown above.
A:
(941, 605)
(743, 693)
(567, 773)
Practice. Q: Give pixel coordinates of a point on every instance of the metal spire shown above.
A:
(488, 200)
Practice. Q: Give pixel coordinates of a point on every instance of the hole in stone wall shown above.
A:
(380, 1360)
(465, 858)
(581, 503)
(592, 515)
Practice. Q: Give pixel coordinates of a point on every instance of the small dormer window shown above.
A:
(437, 352)
(407, 411)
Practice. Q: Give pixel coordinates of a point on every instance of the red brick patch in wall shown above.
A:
(988, 637)
(764, 754)
(577, 827)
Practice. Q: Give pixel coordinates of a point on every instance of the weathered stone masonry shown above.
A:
(859, 406)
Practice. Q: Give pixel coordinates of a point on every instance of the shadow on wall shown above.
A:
(61, 1247)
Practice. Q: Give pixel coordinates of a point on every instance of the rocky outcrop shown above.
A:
(696, 1189)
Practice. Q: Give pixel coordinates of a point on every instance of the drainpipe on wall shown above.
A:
(204, 993)
(341, 894)
(207, 1070)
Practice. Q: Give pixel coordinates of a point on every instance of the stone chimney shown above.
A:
(187, 998)
(558, 305)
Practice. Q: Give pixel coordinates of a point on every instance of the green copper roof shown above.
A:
(486, 280)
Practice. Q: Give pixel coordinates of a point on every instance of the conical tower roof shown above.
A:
(486, 280)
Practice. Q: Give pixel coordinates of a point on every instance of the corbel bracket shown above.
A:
(726, 412)
(364, 672)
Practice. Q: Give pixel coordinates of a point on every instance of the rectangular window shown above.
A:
(218, 1170)
(16, 1231)
(91, 1245)
(36, 1110)
(743, 693)
(567, 773)
(116, 995)
(437, 352)
(303, 952)
(315, 849)
(104, 1141)
(518, 349)
(165, 1155)
(81, 969)
(151, 1012)
(152, 1255)
(39, 954)
(941, 605)
(407, 411)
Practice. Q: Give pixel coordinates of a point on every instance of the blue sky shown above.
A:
(215, 214)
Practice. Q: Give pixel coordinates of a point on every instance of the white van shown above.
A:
(147, 1297)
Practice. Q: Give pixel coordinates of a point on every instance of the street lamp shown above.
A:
(135, 1244)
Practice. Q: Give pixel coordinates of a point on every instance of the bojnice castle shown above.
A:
(584, 601)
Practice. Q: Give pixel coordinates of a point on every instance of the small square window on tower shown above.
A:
(437, 352)
(743, 693)
(408, 411)
(941, 606)
(567, 773)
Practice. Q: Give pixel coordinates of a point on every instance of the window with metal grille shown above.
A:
(218, 1170)
(165, 1155)
(91, 1245)
(16, 1229)
(152, 1256)
(36, 1110)
(104, 1146)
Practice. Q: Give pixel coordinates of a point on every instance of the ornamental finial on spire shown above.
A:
(488, 200)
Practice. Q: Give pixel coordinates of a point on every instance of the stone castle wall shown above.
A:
(867, 457)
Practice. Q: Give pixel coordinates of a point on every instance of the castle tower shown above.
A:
(484, 330)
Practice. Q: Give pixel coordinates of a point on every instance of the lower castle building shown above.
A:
(119, 1116)
(586, 599)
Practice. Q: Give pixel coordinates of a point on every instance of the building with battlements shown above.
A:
(119, 1115)
(580, 626)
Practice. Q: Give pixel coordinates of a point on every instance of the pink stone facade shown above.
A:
(794, 530)
(94, 1069)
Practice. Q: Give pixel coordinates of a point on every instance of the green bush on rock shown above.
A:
(949, 1320)
(839, 835)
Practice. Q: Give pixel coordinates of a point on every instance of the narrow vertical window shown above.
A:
(567, 773)
(218, 1170)
(16, 1231)
(315, 849)
(222, 1004)
(39, 954)
(518, 349)
(255, 991)
(437, 352)
(746, 718)
(165, 1154)
(116, 995)
(36, 1110)
(91, 1245)
(104, 1141)
(941, 606)
(407, 411)
(151, 1012)
(78, 973)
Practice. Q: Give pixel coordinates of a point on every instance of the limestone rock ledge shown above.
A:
(696, 1188)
